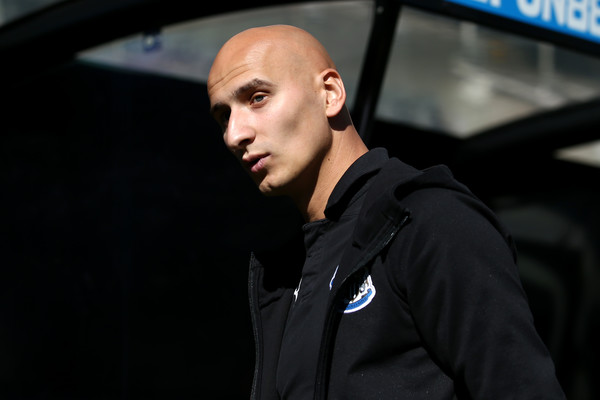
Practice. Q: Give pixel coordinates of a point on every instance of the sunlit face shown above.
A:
(272, 112)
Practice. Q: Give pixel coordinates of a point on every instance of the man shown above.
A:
(403, 285)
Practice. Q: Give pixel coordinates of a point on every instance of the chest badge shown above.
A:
(360, 293)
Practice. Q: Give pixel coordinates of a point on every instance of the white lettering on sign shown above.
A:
(493, 3)
(556, 8)
(595, 18)
(578, 15)
(530, 8)
(572, 17)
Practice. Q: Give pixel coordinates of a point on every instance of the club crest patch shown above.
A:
(360, 293)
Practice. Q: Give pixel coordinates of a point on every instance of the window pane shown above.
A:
(461, 78)
(586, 153)
(187, 50)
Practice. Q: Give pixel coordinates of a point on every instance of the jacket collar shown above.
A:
(353, 180)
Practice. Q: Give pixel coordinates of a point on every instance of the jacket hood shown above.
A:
(394, 183)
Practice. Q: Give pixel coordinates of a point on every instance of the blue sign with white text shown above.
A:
(579, 18)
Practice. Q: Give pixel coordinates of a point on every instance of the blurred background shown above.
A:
(126, 225)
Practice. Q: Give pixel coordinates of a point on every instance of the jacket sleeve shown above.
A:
(463, 289)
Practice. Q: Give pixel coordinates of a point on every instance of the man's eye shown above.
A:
(258, 98)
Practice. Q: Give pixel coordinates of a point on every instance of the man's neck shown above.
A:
(312, 205)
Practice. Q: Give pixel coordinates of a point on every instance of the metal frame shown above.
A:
(374, 65)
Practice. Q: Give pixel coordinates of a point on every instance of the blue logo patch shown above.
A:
(361, 293)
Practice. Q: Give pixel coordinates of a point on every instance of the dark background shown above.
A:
(127, 229)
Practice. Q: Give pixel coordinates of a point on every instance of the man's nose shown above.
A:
(239, 133)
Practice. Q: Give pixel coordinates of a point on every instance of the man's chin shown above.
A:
(270, 190)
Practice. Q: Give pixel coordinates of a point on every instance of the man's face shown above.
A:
(272, 112)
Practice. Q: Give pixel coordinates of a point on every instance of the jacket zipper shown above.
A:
(255, 317)
(321, 384)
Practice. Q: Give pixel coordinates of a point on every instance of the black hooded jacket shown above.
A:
(450, 318)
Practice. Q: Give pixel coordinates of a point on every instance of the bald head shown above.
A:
(287, 46)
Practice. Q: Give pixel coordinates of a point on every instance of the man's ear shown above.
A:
(336, 93)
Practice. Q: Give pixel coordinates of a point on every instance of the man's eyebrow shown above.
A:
(240, 91)
(253, 84)
(245, 88)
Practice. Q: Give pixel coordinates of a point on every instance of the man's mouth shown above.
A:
(255, 163)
